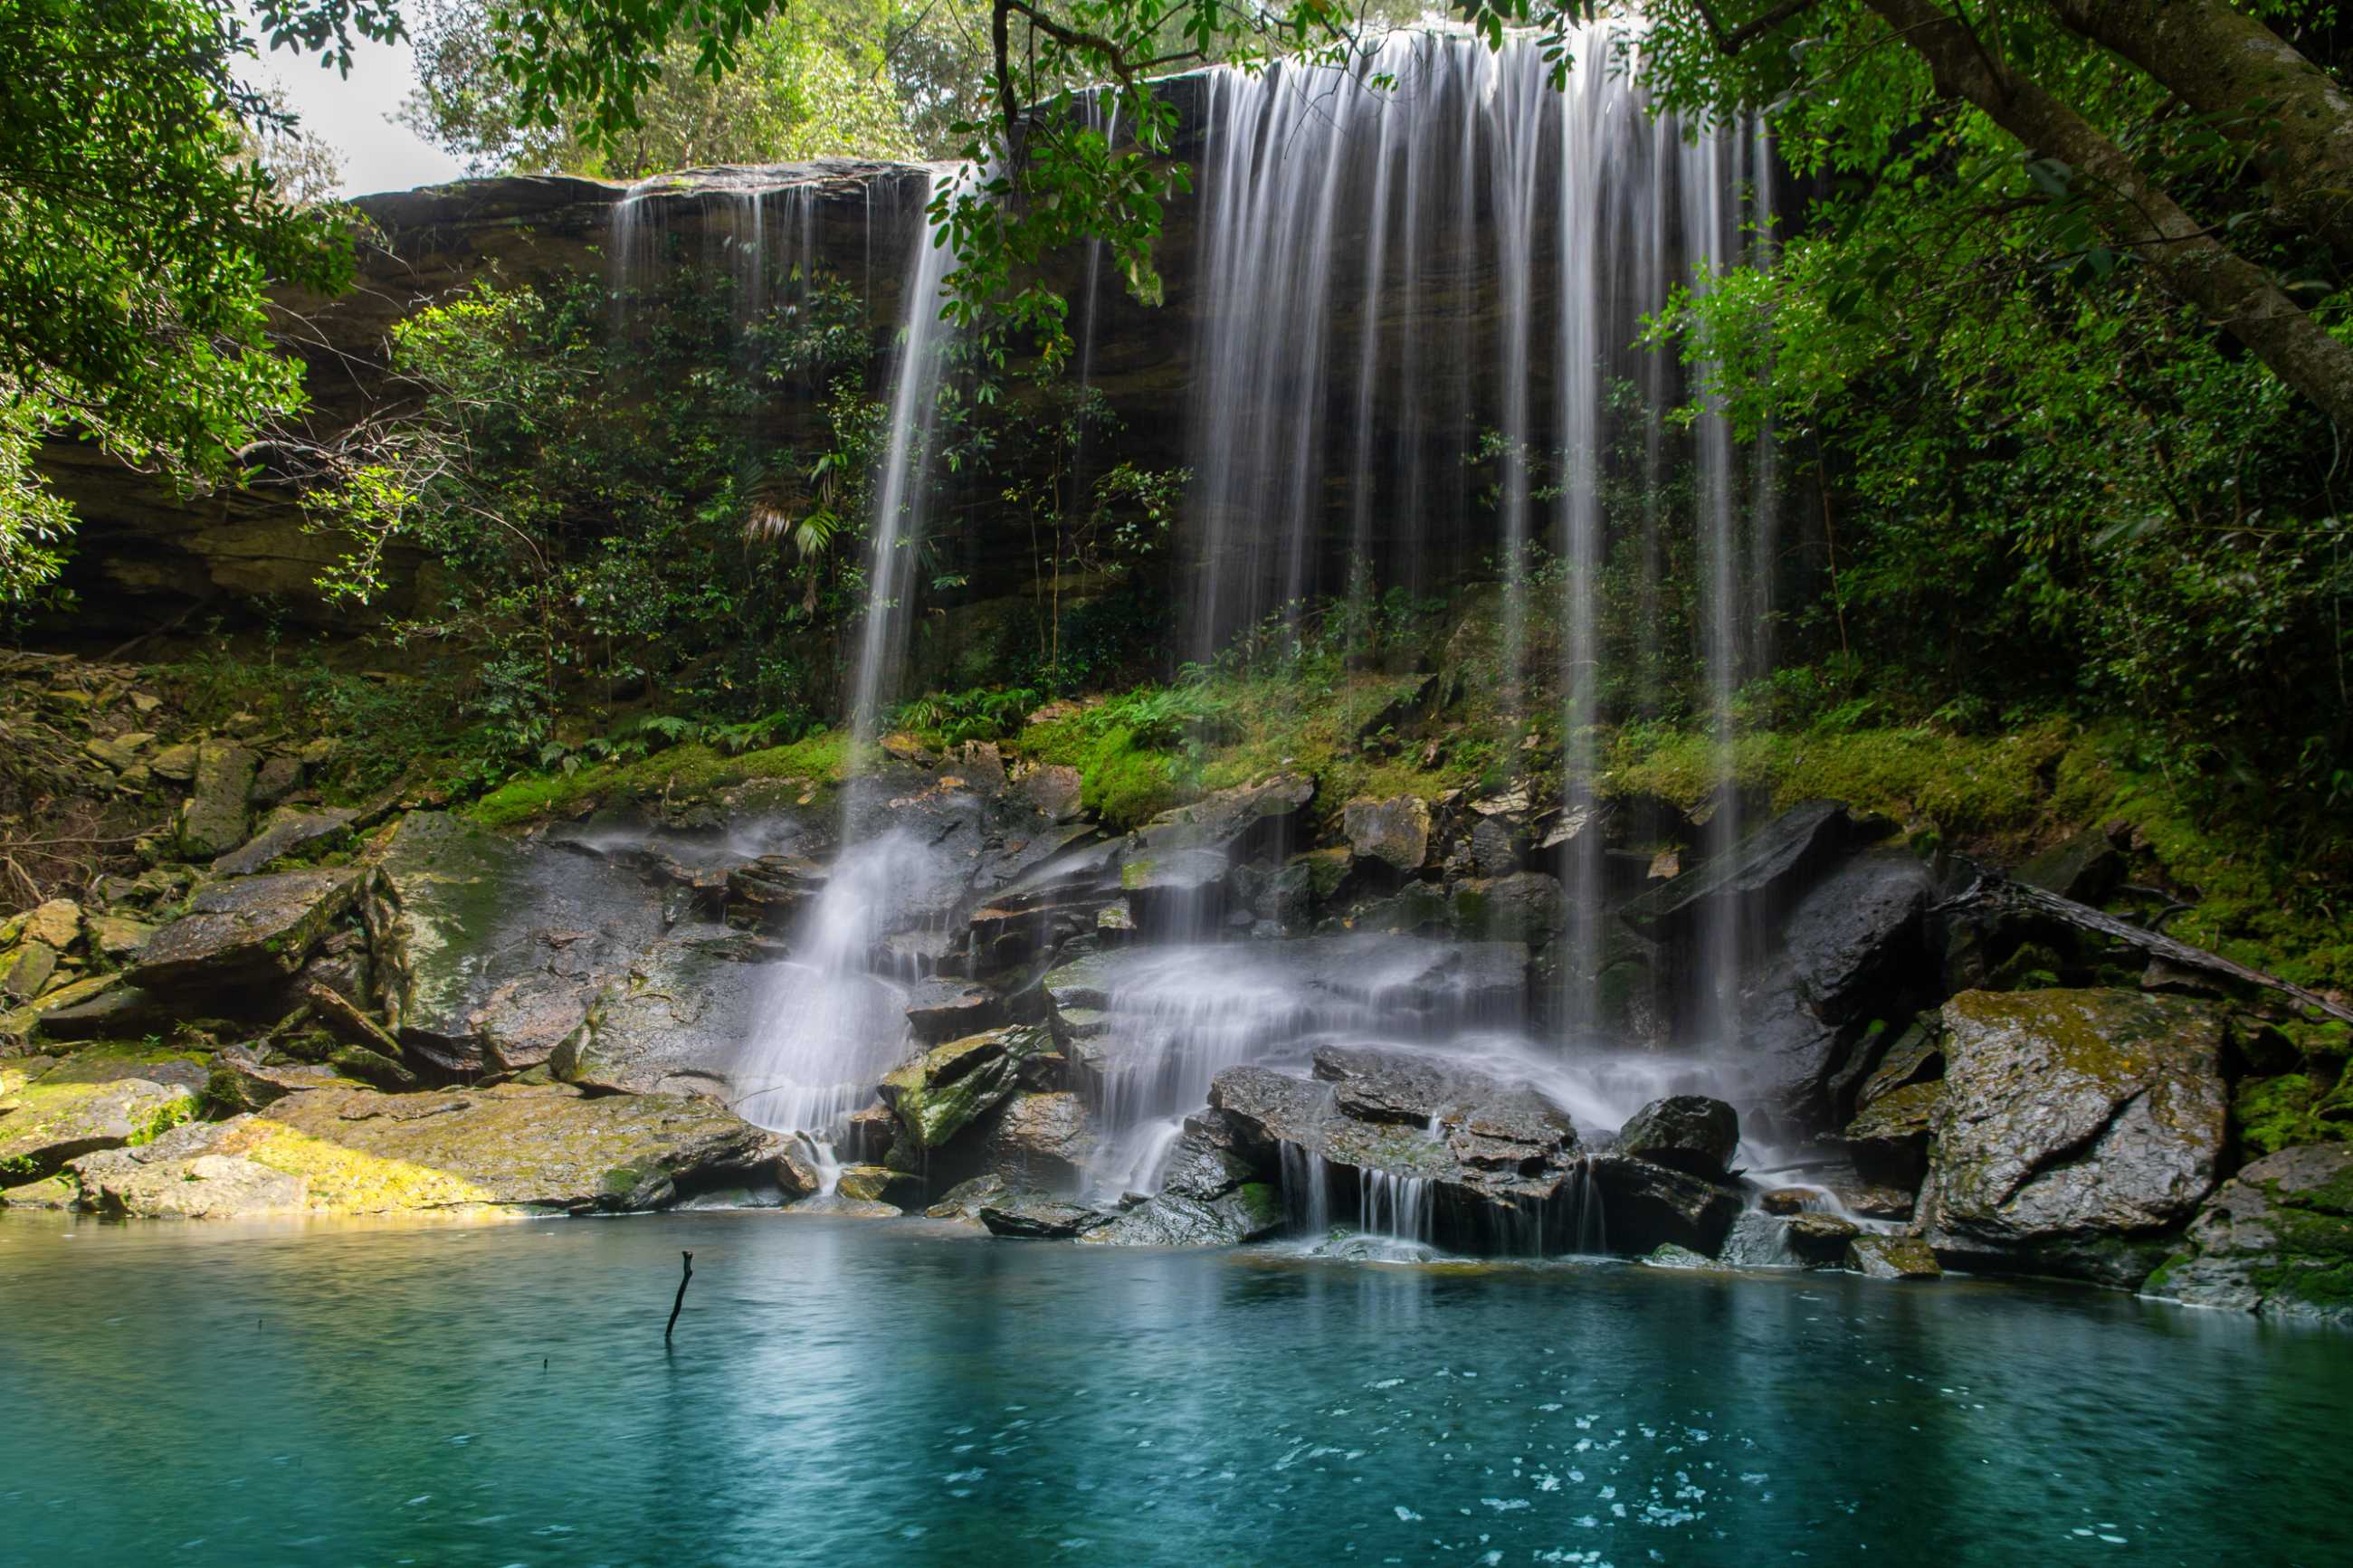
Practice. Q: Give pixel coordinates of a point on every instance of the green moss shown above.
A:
(815, 762)
(162, 1119)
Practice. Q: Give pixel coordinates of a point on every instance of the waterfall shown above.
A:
(1331, 202)
(898, 520)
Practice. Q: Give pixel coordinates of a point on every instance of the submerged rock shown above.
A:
(1690, 1131)
(1036, 1216)
(2075, 1126)
(2278, 1240)
(1891, 1258)
(246, 932)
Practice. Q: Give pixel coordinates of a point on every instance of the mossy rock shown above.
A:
(2276, 1239)
(104, 1098)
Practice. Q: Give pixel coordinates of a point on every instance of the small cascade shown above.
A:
(1583, 1229)
(830, 1026)
(1306, 1192)
(1396, 1206)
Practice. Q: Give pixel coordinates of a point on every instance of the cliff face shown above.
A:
(147, 557)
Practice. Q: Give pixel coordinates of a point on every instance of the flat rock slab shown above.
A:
(359, 1151)
(1771, 863)
(246, 931)
(95, 1100)
(303, 833)
(2070, 1123)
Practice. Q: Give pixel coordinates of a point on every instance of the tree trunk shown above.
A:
(2218, 61)
(2238, 295)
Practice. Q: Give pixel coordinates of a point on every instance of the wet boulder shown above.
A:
(950, 1086)
(943, 1010)
(1525, 906)
(1646, 1204)
(1689, 1131)
(1821, 1238)
(1208, 1198)
(1242, 822)
(2076, 1127)
(246, 932)
(1394, 833)
(901, 1189)
(1498, 1162)
(490, 949)
(1889, 1137)
(1040, 1140)
(2276, 1239)
(675, 1022)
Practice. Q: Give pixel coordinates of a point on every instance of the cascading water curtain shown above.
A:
(1395, 283)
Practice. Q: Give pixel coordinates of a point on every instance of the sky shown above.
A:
(353, 115)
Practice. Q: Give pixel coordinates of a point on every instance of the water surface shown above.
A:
(847, 1392)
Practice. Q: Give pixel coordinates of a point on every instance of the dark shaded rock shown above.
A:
(1889, 1138)
(1394, 832)
(1248, 1211)
(1877, 1203)
(1917, 1056)
(2074, 1126)
(1852, 944)
(242, 1081)
(246, 932)
(2085, 867)
(1040, 1140)
(372, 1068)
(773, 892)
(1785, 1200)
(101, 1008)
(1819, 1238)
(675, 1023)
(939, 1011)
(1689, 1131)
(1498, 1159)
(966, 1200)
(2276, 1239)
(1527, 906)
(1645, 1205)
(1171, 890)
(1770, 865)
(1244, 823)
(1036, 1216)
(1892, 1258)
(490, 950)
(301, 833)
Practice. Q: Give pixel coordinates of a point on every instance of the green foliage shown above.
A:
(599, 484)
(805, 85)
(136, 237)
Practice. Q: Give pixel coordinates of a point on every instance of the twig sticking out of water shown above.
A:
(679, 1305)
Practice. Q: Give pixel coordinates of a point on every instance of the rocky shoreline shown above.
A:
(304, 1009)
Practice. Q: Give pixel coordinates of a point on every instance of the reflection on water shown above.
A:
(861, 1392)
